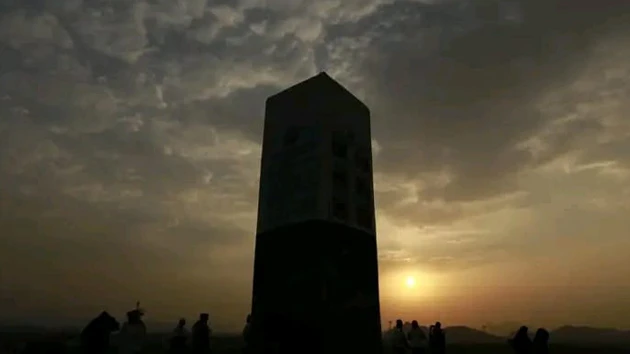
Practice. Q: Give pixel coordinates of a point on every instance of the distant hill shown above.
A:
(502, 329)
(463, 334)
(587, 336)
(590, 335)
(36, 329)
(458, 335)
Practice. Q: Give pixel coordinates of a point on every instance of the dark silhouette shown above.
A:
(95, 336)
(521, 344)
(326, 290)
(133, 332)
(417, 339)
(541, 342)
(437, 339)
(247, 334)
(399, 340)
(201, 334)
(591, 336)
(41, 347)
(179, 338)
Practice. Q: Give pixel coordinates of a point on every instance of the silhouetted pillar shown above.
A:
(315, 271)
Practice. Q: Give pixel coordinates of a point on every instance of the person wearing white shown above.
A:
(398, 339)
(133, 333)
(417, 339)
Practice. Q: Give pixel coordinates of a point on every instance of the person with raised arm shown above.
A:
(133, 332)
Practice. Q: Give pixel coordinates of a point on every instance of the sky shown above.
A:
(130, 137)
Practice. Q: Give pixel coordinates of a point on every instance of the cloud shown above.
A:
(463, 84)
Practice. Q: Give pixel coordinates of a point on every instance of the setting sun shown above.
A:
(410, 282)
(409, 286)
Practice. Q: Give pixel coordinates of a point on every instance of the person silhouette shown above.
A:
(520, 343)
(398, 338)
(179, 337)
(437, 339)
(95, 336)
(201, 334)
(133, 333)
(541, 342)
(417, 339)
(247, 334)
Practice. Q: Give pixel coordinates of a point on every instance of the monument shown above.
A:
(315, 287)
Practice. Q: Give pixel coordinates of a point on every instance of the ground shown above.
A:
(52, 343)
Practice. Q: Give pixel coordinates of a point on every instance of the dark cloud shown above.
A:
(462, 86)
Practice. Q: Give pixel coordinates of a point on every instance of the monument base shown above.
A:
(316, 291)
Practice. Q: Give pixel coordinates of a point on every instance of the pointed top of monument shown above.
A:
(321, 83)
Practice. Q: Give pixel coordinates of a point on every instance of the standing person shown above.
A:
(201, 335)
(541, 342)
(179, 337)
(437, 339)
(521, 344)
(399, 340)
(417, 339)
(133, 333)
(95, 336)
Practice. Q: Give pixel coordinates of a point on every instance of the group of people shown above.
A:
(416, 341)
(522, 344)
(131, 336)
(199, 336)
(95, 337)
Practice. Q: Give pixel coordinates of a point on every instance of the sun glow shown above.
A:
(409, 286)
(410, 282)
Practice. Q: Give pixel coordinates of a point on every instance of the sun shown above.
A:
(410, 282)
(409, 285)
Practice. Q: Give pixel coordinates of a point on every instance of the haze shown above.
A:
(130, 143)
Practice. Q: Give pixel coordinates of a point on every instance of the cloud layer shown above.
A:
(130, 141)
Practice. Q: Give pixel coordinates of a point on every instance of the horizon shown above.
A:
(496, 329)
(506, 328)
(131, 133)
